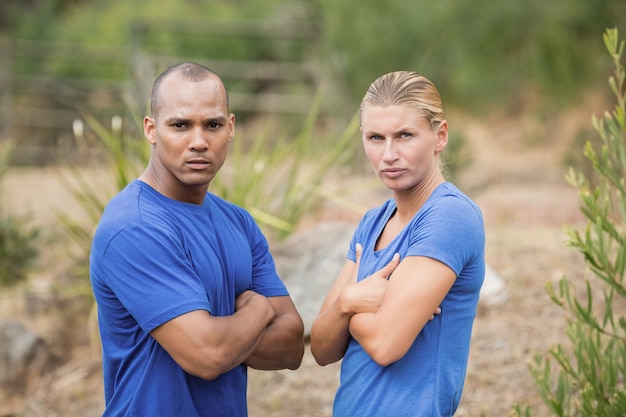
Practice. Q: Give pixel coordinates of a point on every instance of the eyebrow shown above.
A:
(370, 132)
(394, 133)
(176, 119)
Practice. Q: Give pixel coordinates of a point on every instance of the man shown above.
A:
(187, 291)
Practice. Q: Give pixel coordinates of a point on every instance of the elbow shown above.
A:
(209, 365)
(288, 350)
(319, 358)
(322, 361)
(384, 354)
(207, 375)
(317, 351)
(324, 355)
(383, 358)
(292, 358)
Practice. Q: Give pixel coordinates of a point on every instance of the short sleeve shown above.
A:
(265, 279)
(151, 277)
(450, 230)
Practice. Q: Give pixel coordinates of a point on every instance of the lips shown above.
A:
(392, 172)
(198, 163)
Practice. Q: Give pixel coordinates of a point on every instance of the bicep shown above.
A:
(183, 337)
(416, 288)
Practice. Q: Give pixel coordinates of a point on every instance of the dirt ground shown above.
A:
(517, 178)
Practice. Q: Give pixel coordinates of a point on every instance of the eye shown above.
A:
(214, 125)
(376, 138)
(178, 125)
(406, 135)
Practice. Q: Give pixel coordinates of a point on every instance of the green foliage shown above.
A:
(589, 377)
(480, 53)
(281, 184)
(577, 160)
(457, 156)
(122, 156)
(17, 238)
(17, 249)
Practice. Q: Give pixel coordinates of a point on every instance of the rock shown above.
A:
(309, 261)
(22, 355)
(494, 292)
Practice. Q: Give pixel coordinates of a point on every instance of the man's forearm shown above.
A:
(280, 347)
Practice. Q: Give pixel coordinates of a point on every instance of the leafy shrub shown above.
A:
(17, 251)
(589, 377)
(17, 238)
(479, 52)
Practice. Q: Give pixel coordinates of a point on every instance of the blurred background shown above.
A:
(519, 81)
(60, 57)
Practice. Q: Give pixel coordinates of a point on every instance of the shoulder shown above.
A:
(121, 210)
(448, 216)
(230, 211)
(447, 200)
(132, 202)
(134, 209)
(375, 214)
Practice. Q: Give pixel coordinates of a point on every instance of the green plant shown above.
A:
(457, 156)
(17, 238)
(280, 185)
(588, 378)
(119, 156)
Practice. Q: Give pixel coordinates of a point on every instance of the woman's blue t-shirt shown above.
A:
(428, 380)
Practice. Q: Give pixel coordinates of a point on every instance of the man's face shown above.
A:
(189, 135)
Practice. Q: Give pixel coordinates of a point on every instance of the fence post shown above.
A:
(6, 64)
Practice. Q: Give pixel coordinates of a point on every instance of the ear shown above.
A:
(231, 125)
(442, 136)
(149, 129)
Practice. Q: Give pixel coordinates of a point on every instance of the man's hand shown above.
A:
(256, 299)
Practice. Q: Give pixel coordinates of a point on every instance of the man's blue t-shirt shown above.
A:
(153, 259)
(428, 380)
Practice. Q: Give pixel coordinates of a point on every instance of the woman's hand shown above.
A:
(366, 296)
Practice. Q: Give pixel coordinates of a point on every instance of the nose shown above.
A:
(198, 141)
(389, 152)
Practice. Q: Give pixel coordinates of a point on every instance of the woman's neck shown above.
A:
(409, 202)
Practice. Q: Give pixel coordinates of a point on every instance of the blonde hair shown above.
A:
(406, 88)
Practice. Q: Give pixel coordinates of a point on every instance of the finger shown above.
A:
(390, 267)
(437, 311)
(359, 252)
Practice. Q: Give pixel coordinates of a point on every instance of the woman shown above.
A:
(420, 252)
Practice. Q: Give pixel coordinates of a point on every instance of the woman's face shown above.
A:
(401, 146)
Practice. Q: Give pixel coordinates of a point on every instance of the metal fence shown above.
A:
(46, 86)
